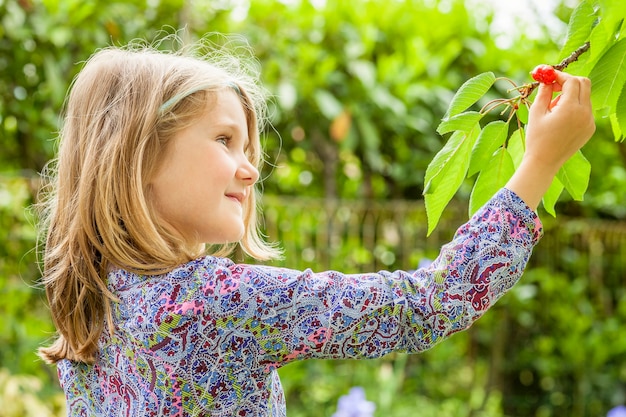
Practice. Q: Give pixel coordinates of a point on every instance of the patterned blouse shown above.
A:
(207, 338)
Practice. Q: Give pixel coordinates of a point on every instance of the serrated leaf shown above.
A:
(491, 137)
(440, 160)
(574, 175)
(599, 45)
(469, 93)
(608, 77)
(578, 29)
(458, 144)
(494, 176)
(612, 14)
(464, 122)
(445, 174)
(552, 196)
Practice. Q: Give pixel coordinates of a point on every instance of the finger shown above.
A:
(570, 86)
(544, 97)
(554, 102)
(585, 90)
(562, 77)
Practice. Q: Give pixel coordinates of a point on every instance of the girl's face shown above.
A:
(205, 175)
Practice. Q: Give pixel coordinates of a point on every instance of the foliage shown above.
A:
(356, 99)
(494, 150)
(550, 347)
(359, 91)
(18, 273)
(23, 395)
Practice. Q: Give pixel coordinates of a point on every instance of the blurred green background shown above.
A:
(358, 89)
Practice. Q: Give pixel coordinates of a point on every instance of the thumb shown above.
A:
(544, 97)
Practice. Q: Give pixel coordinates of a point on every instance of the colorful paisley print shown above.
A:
(208, 338)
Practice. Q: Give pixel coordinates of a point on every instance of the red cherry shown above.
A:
(544, 74)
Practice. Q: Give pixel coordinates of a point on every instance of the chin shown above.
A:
(229, 238)
(239, 237)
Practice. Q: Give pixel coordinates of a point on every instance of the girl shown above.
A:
(154, 182)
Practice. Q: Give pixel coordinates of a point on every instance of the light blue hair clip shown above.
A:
(234, 87)
(175, 99)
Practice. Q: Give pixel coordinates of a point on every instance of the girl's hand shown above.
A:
(557, 128)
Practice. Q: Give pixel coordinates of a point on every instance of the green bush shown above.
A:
(358, 96)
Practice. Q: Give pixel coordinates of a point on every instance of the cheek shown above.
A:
(159, 207)
(219, 170)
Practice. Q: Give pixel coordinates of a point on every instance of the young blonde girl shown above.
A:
(154, 183)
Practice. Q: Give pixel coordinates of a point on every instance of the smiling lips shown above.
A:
(239, 197)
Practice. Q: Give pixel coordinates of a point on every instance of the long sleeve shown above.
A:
(332, 315)
(208, 337)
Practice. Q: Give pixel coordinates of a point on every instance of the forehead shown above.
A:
(225, 113)
(224, 108)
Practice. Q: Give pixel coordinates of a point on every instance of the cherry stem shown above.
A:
(529, 88)
(493, 104)
(526, 90)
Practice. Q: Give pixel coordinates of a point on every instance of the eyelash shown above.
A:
(226, 139)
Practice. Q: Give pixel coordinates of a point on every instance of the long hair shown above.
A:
(123, 108)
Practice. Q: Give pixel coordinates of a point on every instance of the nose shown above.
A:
(247, 172)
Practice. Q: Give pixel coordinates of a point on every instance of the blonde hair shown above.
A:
(123, 108)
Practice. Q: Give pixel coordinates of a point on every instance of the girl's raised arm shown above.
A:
(557, 128)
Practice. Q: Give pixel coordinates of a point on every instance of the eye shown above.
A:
(224, 140)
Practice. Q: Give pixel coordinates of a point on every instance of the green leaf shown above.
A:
(441, 160)
(445, 174)
(620, 113)
(618, 133)
(469, 93)
(458, 143)
(608, 77)
(464, 122)
(574, 175)
(552, 196)
(611, 17)
(599, 45)
(578, 29)
(491, 138)
(494, 176)
(516, 147)
(522, 113)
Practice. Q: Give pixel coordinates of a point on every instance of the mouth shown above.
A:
(238, 197)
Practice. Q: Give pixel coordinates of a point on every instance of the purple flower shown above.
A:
(354, 404)
(619, 411)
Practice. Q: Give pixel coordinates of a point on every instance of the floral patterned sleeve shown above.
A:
(296, 315)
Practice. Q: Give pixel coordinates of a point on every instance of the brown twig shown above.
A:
(573, 57)
(526, 90)
(529, 88)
